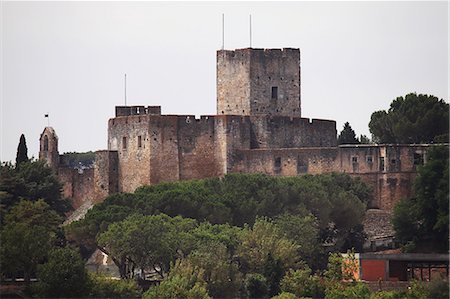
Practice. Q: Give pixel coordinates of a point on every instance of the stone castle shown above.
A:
(258, 128)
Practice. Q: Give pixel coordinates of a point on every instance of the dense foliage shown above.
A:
(423, 220)
(22, 151)
(331, 207)
(412, 119)
(347, 135)
(33, 180)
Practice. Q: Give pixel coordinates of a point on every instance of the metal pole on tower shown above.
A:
(125, 89)
(223, 31)
(250, 31)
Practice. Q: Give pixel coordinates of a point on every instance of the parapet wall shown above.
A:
(291, 132)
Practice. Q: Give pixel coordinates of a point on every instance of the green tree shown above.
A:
(31, 181)
(63, 275)
(304, 231)
(146, 242)
(22, 151)
(354, 291)
(363, 139)
(176, 286)
(261, 241)
(411, 119)
(256, 286)
(105, 287)
(23, 248)
(29, 232)
(423, 219)
(303, 284)
(347, 135)
(36, 213)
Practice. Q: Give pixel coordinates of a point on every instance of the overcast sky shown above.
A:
(68, 59)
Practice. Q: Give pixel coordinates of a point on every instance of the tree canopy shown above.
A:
(423, 220)
(22, 151)
(412, 119)
(347, 135)
(33, 180)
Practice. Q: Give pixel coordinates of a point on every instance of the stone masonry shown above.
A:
(258, 129)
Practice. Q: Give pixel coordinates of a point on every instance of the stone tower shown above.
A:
(48, 150)
(259, 82)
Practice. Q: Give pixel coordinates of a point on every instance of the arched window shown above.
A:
(45, 143)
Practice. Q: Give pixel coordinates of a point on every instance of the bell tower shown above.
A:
(48, 150)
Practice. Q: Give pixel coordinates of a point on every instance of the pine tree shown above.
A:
(347, 135)
(22, 151)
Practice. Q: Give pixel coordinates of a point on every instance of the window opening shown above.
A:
(274, 92)
(381, 163)
(124, 142)
(45, 143)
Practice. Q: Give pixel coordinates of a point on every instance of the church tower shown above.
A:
(48, 150)
(259, 82)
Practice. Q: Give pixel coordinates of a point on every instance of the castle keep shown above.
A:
(258, 129)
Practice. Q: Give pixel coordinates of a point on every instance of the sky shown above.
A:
(68, 59)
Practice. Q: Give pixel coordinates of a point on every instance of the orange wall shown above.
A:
(372, 270)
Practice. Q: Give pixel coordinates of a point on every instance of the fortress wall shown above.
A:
(286, 162)
(291, 132)
(233, 82)
(106, 170)
(134, 158)
(164, 158)
(392, 187)
(359, 159)
(78, 185)
(237, 136)
(389, 185)
(197, 142)
(65, 176)
(278, 68)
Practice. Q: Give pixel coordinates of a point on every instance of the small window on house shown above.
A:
(354, 159)
(369, 159)
(274, 92)
(393, 161)
(139, 141)
(124, 142)
(381, 163)
(277, 163)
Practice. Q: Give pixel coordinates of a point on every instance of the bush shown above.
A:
(177, 287)
(64, 275)
(353, 291)
(104, 287)
(285, 295)
(256, 286)
(302, 284)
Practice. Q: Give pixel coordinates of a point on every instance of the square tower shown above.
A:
(259, 82)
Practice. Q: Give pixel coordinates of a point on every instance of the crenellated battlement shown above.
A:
(137, 110)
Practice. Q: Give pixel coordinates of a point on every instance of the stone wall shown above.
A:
(258, 82)
(291, 132)
(390, 182)
(106, 174)
(131, 137)
(77, 185)
(275, 82)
